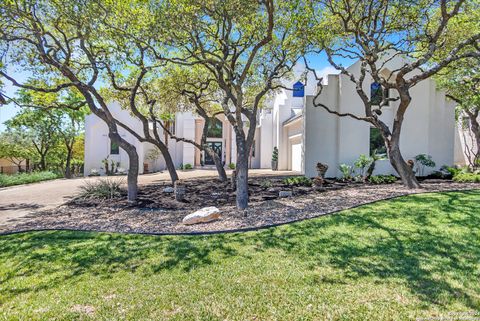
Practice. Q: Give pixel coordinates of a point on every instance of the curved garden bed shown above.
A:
(113, 216)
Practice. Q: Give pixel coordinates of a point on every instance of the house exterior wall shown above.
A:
(428, 127)
(286, 121)
(321, 139)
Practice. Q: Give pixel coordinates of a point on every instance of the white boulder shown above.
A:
(168, 189)
(203, 215)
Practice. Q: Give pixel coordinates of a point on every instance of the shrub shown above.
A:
(347, 171)
(382, 179)
(266, 184)
(362, 163)
(231, 166)
(467, 178)
(187, 166)
(275, 154)
(451, 170)
(25, 178)
(297, 181)
(422, 161)
(94, 172)
(101, 189)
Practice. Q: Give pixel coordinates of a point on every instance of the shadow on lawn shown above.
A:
(428, 242)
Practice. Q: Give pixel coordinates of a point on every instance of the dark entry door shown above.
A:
(217, 148)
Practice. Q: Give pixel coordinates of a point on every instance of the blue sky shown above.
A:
(317, 61)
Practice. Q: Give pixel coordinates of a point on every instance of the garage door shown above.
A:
(297, 157)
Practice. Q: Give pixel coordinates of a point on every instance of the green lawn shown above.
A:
(415, 256)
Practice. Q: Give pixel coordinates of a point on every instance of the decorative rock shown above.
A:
(168, 189)
(322, 169)
(285, 194)
(203, 215)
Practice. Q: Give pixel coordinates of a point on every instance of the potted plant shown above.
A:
(275, 159)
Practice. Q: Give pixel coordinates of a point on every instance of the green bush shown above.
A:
(467, 178)
(347, 171)
(382, 179)
(187, 166)
(266, 184)
(231, 166)
(25, 178)
(422, 161)
(101, 189)
(297, 181)
(451, 170)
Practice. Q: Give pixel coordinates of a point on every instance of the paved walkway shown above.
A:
(19, 201)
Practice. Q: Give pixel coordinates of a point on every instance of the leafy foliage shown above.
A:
(346, 170)
(467, 178)
(382, 179)
(275, 154)
(362, 163)
(25, 178)
(297, 181)
(106, 188)
(422, 161)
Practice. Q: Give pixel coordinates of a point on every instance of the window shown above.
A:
(376, 93)
(114, 148)
(215, 128)
(377, 145)
(298, 89)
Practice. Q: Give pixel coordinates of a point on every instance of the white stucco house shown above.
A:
(304, 134)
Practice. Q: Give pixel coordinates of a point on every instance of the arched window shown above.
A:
(298, 89)
(215, 128)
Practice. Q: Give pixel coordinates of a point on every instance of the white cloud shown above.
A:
(325, 71)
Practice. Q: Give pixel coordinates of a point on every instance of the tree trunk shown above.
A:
(43, 162)
(242, 176)
(404, 171)
(168, 161)
(475, 127)
(222, 175)
(68, 164)
(133, 167)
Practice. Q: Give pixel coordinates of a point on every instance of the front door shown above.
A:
(217, 148)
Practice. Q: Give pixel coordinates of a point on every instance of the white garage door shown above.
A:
(297, 157)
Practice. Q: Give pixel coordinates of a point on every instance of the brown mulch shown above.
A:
(158, 212)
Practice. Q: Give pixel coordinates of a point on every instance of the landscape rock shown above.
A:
(285, 194)
(203, 215)
(168, 190)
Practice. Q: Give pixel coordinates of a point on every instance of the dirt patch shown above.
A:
(158, 212)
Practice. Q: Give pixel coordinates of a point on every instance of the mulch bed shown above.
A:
(158, 212)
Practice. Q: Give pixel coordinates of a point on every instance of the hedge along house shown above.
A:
(303, 133)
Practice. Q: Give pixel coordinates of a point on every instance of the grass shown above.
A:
(24, 178)
(415, 256)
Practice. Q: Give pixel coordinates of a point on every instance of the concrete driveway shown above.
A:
(19, 201)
